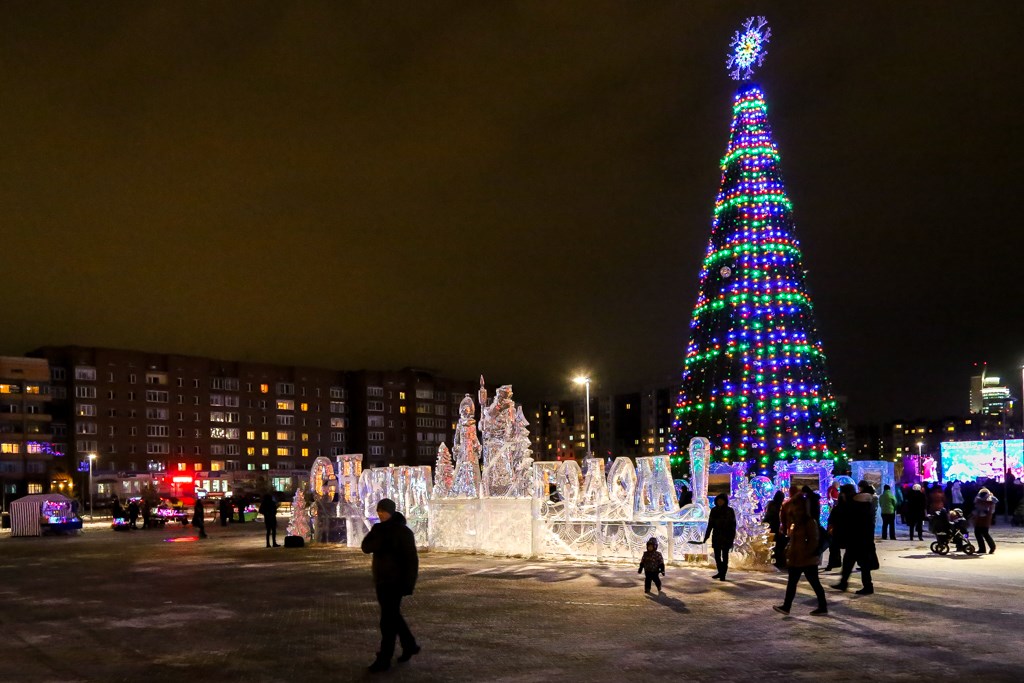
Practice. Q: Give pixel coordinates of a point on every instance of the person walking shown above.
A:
(956, 495)
(652, 564)
(838, 526)
(199, 518)
(241, 510)
(984, 511)
(722, 531)
(915, 508)
(268, 508)
(395, 566)
(802, 556)
(887, 501)
(773, 518)
(860, 546)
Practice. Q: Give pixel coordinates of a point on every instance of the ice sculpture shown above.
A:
(522, 460)
(621, 489)
(409, 487)
(751, 533)
(569, 477)
(595, 486)
(816, 474)
(300, 522)
(655, 492)
(764, 489)
(497, 424)
(466, 452)
(444, 473)
(700, 461)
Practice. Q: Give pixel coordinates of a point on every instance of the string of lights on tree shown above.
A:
(754, 379)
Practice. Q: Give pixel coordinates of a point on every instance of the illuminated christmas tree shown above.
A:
(754, 379)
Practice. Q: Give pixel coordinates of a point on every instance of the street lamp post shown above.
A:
(92, 456)
(585, 381)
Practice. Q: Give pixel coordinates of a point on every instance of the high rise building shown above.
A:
(989, 396)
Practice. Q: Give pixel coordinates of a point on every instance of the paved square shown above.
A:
(131, 606)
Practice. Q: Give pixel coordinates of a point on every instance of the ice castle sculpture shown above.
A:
(466, 449)
(444, 473)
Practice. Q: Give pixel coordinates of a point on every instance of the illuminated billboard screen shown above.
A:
(970, 460)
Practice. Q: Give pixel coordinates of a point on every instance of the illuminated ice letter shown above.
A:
(655, 492)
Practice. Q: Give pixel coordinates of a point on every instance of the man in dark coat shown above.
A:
(860, 539)
(722, 530)
(226, 509)
(268, 508)
(395, 566)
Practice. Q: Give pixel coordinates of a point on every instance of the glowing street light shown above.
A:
(92, 456)
(581, 379)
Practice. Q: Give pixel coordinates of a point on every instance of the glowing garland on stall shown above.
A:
(754, 378)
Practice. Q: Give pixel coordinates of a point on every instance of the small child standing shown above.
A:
(651, 564)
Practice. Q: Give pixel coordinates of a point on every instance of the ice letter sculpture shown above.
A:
(655, 492)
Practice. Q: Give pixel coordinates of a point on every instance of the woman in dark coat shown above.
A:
(802, 554)
(722, 530)
(772, 517)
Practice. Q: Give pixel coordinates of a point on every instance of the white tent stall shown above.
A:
(34, 514)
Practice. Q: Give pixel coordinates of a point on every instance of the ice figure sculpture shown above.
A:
(374, 485)
(595, 486)
(323, 481)
(497, 422)
(655, 492)
(409, 487)
(522, 460)
(621, 489)
(444, 473)
(700, 457)
(467, 452)
(751, 533)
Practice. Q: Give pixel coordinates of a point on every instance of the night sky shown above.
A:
(518, 189)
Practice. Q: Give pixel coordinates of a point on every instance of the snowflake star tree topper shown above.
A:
(748, 48)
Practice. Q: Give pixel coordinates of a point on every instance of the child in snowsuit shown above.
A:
(651, 564)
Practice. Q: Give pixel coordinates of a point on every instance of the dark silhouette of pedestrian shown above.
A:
(984, 510)
(395, 566)
(685, 496)
(839, 526)
(225, 509)
(145, 511)
(887, 501)
(802, 556)
(773, 518)
(199, 518)
(241, 510)
(860, 544)
(652, 564)
(268, 508)
(915, 507)
(133, 514)
(722, 531)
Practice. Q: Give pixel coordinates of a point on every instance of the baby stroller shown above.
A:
(950, 526)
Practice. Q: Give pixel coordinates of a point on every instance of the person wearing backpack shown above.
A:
(802, 555)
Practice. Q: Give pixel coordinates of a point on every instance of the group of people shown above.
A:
(801, 541)
(136, 508)
(268, 508)
(915, 504)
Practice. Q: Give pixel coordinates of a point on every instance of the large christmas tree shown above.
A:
(754, 379)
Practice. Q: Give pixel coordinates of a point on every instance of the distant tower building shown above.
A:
(989, 396)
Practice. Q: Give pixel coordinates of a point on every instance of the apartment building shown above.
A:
(27, 453)
(150, 412)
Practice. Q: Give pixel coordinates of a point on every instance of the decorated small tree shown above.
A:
(299, 524)
(444, 472)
